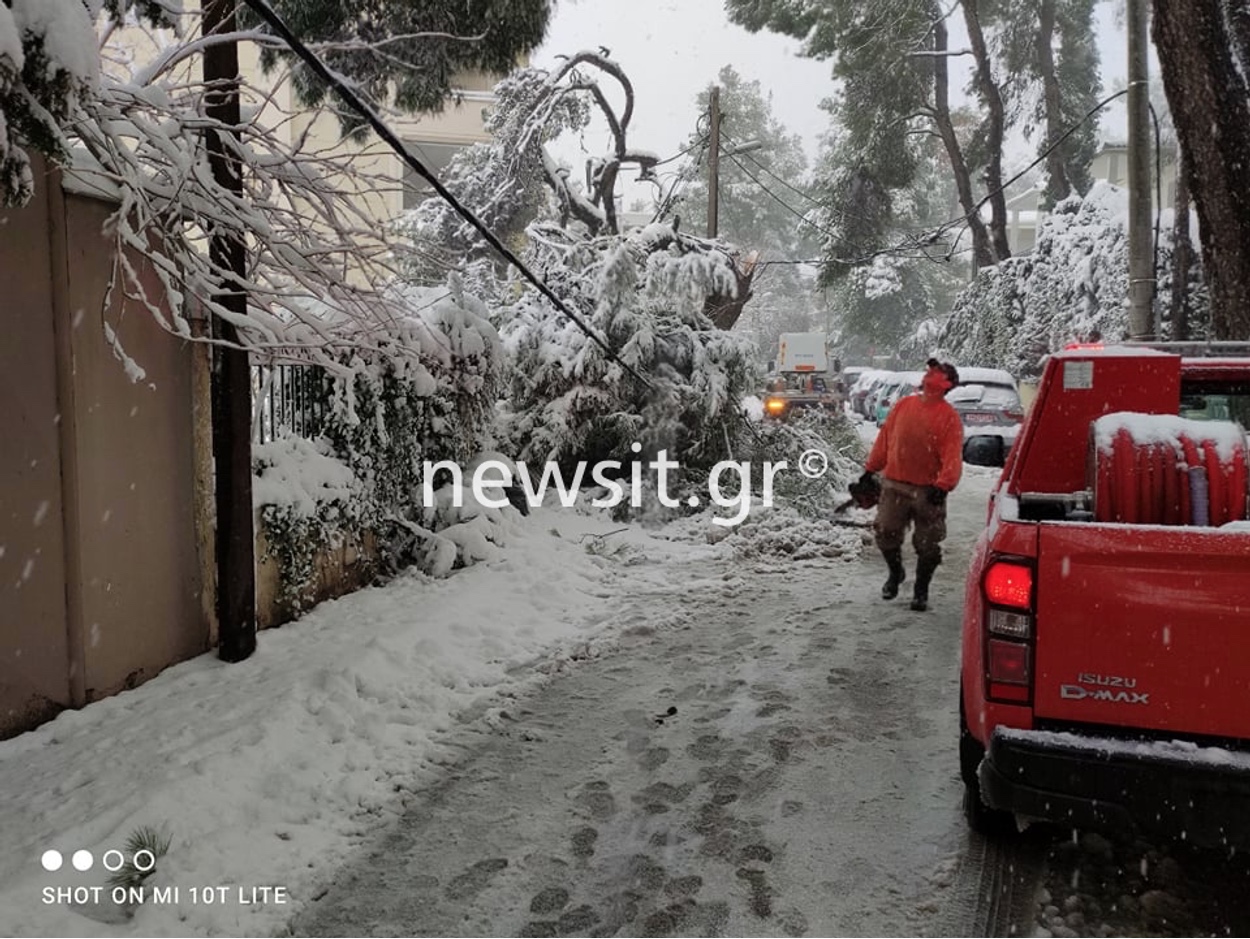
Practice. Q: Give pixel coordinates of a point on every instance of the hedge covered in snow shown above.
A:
(1072, 286)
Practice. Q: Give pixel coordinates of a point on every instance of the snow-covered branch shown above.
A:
(319, 277)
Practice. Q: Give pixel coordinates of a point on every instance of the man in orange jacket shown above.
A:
(919, 452)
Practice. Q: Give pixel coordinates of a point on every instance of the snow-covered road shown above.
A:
(676, 730)
(769, 751)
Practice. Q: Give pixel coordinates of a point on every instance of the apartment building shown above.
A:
(375, 177)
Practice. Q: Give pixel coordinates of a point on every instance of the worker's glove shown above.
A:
(868, 481)
(935, 495)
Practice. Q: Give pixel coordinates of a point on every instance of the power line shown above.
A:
(729, 140)
(701, 142)
(914, 244)
(262, 9)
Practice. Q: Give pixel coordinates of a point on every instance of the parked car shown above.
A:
(973, 375)
(880, 385)
(988, 409)
(904, 383)
(863, 386)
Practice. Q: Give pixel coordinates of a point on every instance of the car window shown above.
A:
(965, 393)
(1000, 397)
(992, 396)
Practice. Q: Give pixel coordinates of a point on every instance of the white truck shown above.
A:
(803, 353)
(805, 376)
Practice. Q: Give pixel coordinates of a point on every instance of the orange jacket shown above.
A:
(921, 442)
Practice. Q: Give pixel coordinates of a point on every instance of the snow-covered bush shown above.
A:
(1073, 285)
(307, 500)
(425, 390)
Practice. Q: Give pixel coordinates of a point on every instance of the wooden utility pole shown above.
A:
(713, 163)
(1141, 273)
(231, 378)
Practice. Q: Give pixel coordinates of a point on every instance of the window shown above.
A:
(435, 157)
(1225, 401)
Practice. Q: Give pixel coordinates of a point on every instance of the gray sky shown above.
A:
(673, 49)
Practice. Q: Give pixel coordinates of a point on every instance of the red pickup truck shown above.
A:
(1105, 678)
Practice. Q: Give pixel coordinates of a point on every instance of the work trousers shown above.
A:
(901, 505)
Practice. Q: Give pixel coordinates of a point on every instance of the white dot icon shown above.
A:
(52, 860)
(113, 860)
(83, 860)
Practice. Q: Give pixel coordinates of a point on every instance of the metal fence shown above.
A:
(288, 399)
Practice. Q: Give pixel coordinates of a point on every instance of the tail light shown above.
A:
(1016, 416)
(775, 406)
(1009, 583)
(1007, 586)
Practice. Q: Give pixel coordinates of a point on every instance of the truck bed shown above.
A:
(1145, 626)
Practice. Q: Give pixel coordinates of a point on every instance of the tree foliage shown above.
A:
(404, 53)
(890, 60)
(1050, 59)
(48, 66)
(650, 294)
(1071, 287)
(646, 291)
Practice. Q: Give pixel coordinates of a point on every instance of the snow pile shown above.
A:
(269, 771)
(786, 533)
(300, 474)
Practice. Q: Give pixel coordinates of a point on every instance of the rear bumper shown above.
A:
(1200, 795)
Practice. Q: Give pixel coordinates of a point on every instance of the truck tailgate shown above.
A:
(1144, 626)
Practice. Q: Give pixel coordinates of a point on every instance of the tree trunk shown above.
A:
(1207, 95)
(1181, 255)
(724, 311)
(981, 253)
(1058, 186)
(993, 100)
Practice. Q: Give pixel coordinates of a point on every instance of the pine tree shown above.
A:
(891, 61)
(405, 53)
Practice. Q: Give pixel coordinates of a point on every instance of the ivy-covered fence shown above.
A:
(338, 453)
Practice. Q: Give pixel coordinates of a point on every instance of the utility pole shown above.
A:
(713, 163)
(231, 376)
(1141, 273)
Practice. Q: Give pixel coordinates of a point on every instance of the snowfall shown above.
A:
(267, 772)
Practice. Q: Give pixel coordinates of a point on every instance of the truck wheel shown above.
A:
(980, 817)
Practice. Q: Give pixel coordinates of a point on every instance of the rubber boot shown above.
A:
(924, 574)
(894, 560)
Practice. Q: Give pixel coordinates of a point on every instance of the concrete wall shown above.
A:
(100, 584)
(349, 562)
(34, 640)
